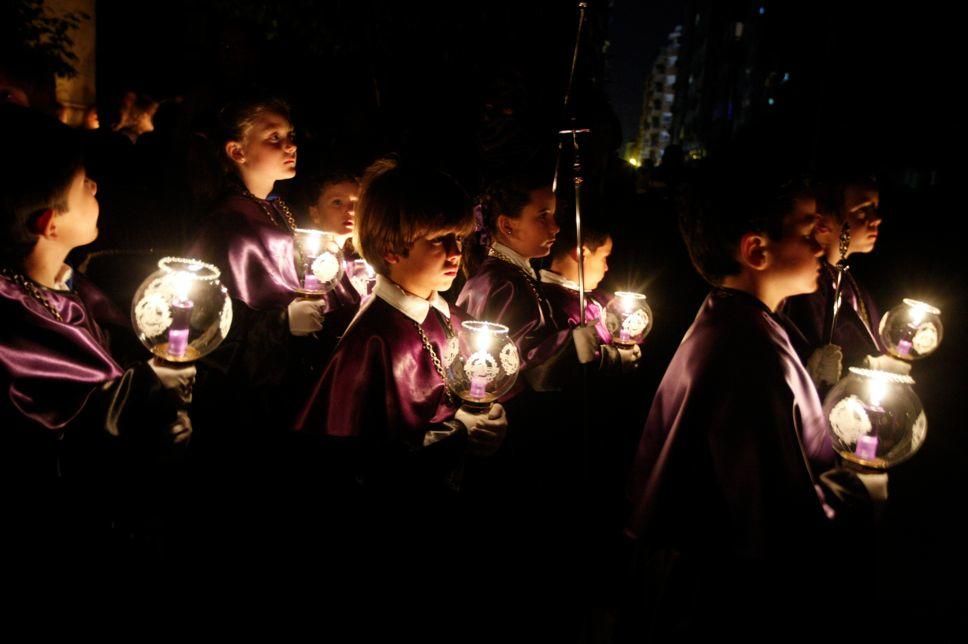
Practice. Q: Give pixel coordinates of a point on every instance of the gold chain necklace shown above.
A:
(436, 360)
(32, 290)
(267, 208)
(530, 280)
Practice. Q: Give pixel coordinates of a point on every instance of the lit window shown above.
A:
(770, 101)
(762, 10)
(739, 30)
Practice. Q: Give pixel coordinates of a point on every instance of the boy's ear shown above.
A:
(233, 149)
(753, 251)
(391, 257)
(43, 224)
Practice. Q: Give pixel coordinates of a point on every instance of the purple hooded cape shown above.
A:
(254, 255)
(500, 292)
(381, 382)
(49, 368)
(724, 460)
(565, 308)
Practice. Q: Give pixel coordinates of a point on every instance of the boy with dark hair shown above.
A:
(727, 506)
(68, 410)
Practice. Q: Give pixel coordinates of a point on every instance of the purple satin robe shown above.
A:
(500, 292)
(381, 384)
(254, 255)
(723, 465)
(565, 308)
(49, 368)
(810, 314)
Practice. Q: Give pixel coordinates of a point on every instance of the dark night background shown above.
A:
(476, 87)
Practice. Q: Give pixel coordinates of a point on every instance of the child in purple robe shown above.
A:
(250, 238)
(560, 286)
(331, 198)
(849, 224)
(394, 436)
(519, 215)
(73, 418)
(732, 517)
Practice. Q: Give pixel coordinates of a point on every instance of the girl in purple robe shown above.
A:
(394, 436)
(250, 238)
(72, 416)
(519, 216)
(849, 224)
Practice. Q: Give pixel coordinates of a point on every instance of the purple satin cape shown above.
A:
(254, 255)
(565, 308)
(381, 383)
(724, 460)
(500, 292)
(49, 368)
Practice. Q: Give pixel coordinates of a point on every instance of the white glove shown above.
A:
(176, 378)
(620, 359)
(485, 432)
(888, 363)
(586, 343)
(306, 316)
(181, 429)
(825, 365)
(630, 357)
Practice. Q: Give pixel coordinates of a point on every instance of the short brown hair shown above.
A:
(398, 203)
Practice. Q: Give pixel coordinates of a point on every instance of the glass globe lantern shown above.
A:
(911, 330)
(319, 261)
(182, 312)
(875, 419)
(481, 364)
(362, 276)
(628, 318)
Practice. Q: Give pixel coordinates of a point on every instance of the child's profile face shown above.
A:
(794, 259)
(77, 225)
(269, 148)
(596, 264)
(533, 232)
(860, 211)
(335, 209)
(431, 265)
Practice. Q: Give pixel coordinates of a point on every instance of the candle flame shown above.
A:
(482, 340)
(312, 244)
(182, 283)
(877, 390)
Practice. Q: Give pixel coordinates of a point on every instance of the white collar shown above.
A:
(62, 281)
(550, 277)
(415, 308)
(515, 258)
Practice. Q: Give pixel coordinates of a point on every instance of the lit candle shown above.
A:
(478, 387)
(313, 244)
(866, 448)
(181, 315)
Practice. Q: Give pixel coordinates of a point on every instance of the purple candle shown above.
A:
(904, 347)
(310, 283)
(866, 448)
(478, 387)
(181, 315)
